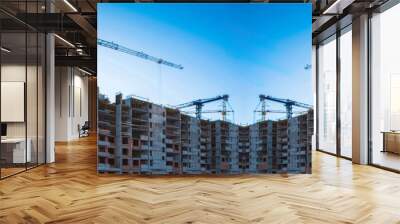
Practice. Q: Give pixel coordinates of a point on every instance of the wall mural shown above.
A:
(177, 121)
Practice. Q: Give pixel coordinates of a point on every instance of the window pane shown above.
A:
(22, 89)
(13, 89)
(385, 93)
(31, 97)
(327, 96)
(346, 94)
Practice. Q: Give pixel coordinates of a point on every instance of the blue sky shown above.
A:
(238, 49)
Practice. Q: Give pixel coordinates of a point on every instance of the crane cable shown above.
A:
(160, 86)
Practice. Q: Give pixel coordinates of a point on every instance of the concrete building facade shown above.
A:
(139, 137)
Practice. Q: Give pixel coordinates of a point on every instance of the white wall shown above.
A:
(327, 96)
(80, 105)
(71, 102)
(62, 82)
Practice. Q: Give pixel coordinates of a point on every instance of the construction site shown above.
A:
(136, 136)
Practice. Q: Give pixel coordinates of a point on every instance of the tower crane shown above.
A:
(265, 112)
(139, 54)
(200, 103)
(286, 102)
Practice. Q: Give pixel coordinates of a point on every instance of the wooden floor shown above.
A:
(5, 172)
(70, 191)
(386, 159)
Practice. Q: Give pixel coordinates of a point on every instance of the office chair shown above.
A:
(84, 130)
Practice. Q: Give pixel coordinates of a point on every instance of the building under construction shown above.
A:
(139, 137)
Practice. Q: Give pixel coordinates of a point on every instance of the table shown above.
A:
(391, 141)
(13, 150)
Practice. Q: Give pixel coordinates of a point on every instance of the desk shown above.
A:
(391, 141)
(13, 150)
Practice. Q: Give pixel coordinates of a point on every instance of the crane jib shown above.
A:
(142, 55)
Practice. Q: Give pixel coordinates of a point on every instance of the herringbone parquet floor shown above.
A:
(70, 191)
